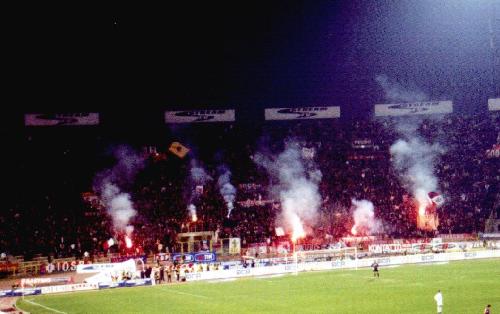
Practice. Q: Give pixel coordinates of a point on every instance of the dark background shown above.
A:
(142, 59)
(132, 62)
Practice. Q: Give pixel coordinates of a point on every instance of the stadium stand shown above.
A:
(57, 222)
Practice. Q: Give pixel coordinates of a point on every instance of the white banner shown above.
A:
(192, 116)
(362, 144)
(413, 108)
(494, 104)
(69, 288)
(56, 119)
(95, 268)
(302, 113)
(43, 280)
(491, 235)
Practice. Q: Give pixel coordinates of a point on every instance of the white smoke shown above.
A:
(227, 190)
(198, 177)
(128, 164)
(364, 218)
(108, 182)
(412, 156)
(415, 161)
(395, 92)
(129, 229)
(297, 186)
(119, 207)
(192, 209)
(192, 212)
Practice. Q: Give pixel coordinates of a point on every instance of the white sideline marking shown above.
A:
(45, 307)
(193, 295)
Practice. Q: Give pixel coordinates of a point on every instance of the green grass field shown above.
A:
(467, 287)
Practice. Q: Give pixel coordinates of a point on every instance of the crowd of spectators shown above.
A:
(46, 213)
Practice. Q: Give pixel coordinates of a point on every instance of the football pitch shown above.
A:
(467, 286)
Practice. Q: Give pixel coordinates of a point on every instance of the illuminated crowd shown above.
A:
(50, 217)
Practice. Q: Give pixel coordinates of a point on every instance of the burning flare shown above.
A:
(298, 229)
(421, 209)
(192, 211)
(354, 231)
(128, 242)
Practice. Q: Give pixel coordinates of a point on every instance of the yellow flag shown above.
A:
(178, 149)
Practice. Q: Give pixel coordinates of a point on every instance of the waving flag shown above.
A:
(436, 198)
(178, 149)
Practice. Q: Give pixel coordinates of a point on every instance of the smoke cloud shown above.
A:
(364, 218)
(395, 92)
(297, 187)
(227, 190)
(122, 174)
(412, 156)
(198, 177)
(415, 161)
(119, 207)
(108, 185)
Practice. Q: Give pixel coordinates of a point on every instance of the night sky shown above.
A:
(249, 55)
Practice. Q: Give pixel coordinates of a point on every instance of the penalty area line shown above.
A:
(45, 307)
